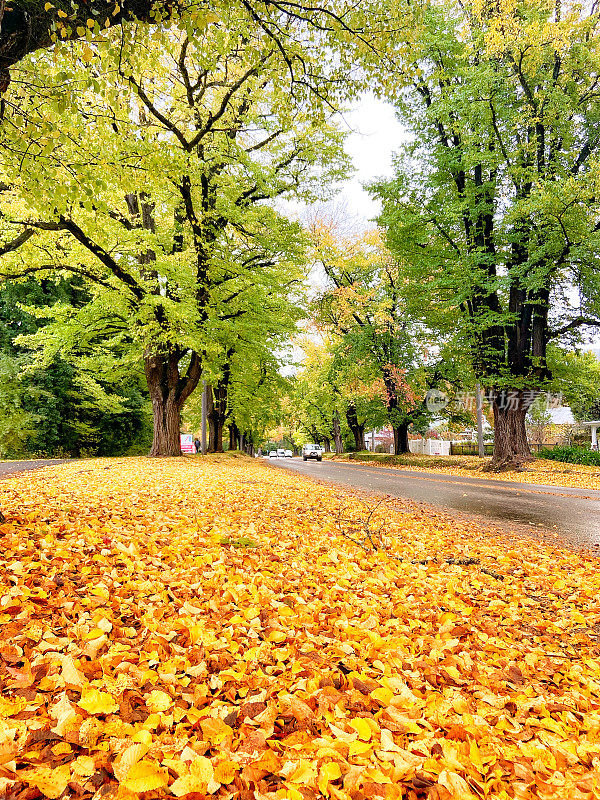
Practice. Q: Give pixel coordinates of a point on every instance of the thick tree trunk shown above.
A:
(401, 438)
(162, 376)
(511, 448)
(337, 434)
(327, 444)
(168, 392)
(357, 428)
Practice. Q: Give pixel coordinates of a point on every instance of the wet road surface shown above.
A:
(572, 514)
(8, 467)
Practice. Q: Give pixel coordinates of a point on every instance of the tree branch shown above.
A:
(578, 322)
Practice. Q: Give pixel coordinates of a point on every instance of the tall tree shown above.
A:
(494, 208)
(154, 184)
(365, 309)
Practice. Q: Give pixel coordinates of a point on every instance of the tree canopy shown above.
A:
(155, 183)
(494, 207)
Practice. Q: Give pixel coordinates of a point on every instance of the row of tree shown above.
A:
(146, 159)
(153, 183)
(492, 217)
(381, 354)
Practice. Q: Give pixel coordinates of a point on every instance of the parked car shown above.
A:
(273, 454)
(281, 453)
(311, 451)
(289, 454)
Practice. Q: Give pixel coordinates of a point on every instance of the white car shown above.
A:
(312, 451)
(273, 454)
(281, 453)
(289, 454)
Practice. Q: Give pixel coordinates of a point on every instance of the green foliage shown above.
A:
(576, 375)
(154, 181)
(49, 408)
(572, 455)
(384, 354)
(493, 210)
(17, 424)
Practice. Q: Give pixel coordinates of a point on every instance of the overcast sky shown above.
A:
(375, 135)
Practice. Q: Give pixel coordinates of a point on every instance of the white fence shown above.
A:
(429, 447)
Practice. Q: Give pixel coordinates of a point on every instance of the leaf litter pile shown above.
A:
(205, 628)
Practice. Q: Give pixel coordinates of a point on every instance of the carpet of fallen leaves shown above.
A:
(201, 627)
(545, 472)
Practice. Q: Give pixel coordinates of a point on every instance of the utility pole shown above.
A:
(204, 413)
(480, 420)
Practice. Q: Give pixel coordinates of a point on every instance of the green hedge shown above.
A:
(573, 455)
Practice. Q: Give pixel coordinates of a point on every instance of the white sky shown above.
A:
(375, 136)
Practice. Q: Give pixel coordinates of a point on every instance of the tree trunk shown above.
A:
(217, 413)
(234, 436)
(327, 444)
(337, 434)
(401, 438)
(162, 376)
(212, 419)
(511, 448)
(357, 428)
(168, 392)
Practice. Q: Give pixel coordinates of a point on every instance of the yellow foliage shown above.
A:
(302, 662)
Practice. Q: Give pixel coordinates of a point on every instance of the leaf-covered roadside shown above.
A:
(546, 473)
(199, 627)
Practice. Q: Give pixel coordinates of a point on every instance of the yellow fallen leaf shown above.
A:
(456, 785)
(84, 766)
(383, 695)
(362, 727)
(199, 779)
(330, 771)
(70, 674)
(158, 701)
(304, 773)
(96, 702)
(50, 782)
(214, 730)
(124, 762)
(359, 748)
(146, 776)
(225, 771)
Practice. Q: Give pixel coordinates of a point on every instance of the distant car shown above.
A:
(281, 453)
(273, 454)
(289, 454)
(311, 451)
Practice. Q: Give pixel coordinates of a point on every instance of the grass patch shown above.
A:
(243, 542)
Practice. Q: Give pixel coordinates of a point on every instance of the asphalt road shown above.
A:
(572, 514)
(9, 467)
